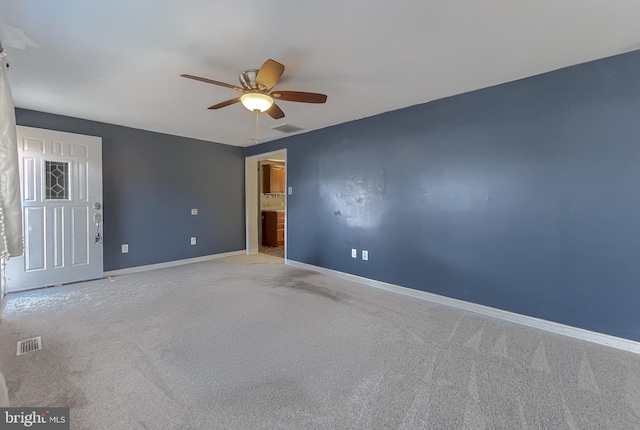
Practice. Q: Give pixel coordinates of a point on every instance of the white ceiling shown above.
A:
(119, 61)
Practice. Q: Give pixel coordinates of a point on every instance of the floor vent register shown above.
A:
(29, 345)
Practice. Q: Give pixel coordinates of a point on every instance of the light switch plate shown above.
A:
(125, 248)
(290, 190)
(193, 241)
(194, 211)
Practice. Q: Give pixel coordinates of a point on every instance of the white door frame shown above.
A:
(252, 198)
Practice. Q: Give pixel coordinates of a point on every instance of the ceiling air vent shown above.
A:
(287, 128)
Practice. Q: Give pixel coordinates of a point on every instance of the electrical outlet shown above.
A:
(193, 241)
(365, 255)
(125, 248)
(194, 211)
(354, 253)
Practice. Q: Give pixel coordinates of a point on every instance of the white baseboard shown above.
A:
(550, 326)
(136, 269)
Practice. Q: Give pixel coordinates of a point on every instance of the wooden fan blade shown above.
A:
(299, 96)
(275, 112)
(211, 81)
(225, 103)
(269, 74)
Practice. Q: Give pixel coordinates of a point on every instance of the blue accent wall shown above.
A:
(524, 196)
(151, 181)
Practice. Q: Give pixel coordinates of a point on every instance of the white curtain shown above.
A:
(10, 204)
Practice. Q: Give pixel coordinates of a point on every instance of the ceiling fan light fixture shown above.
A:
(256, 101)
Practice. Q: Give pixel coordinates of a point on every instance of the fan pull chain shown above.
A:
(257, 122)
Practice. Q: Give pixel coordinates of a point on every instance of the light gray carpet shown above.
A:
(249, 343)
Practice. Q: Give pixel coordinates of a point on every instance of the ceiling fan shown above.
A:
(257, 94)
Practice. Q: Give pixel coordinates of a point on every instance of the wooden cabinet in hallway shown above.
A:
(273, 181)
(273, 228)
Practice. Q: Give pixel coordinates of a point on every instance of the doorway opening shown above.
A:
(266, 203)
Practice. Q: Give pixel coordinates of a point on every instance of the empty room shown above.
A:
(328, 215)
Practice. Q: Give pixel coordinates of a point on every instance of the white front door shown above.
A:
(61, 185)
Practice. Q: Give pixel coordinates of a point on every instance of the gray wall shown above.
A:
(523, 196)
(150, 183)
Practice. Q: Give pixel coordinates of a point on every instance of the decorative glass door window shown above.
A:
(57, 180)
